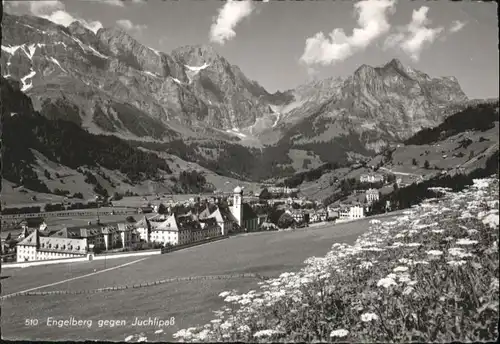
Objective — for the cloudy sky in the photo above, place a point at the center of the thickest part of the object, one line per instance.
(282, 44)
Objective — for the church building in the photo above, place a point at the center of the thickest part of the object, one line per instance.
(243, 212)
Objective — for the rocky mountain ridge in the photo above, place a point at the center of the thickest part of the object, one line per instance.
(191, 90)
(109, 83)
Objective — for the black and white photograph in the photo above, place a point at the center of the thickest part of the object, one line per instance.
(249, 171)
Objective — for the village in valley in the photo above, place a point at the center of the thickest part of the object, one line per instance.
(174, 221)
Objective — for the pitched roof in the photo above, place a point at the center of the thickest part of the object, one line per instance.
(30, 240)
(205, 213)
(226, 214)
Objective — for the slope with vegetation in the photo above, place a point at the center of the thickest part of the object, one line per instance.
(64, 142)
(430, 275)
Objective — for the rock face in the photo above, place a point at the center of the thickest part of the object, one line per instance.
(188, 91)
(378, 105)
(107, 82)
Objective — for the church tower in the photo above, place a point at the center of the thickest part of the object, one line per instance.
(237, 208)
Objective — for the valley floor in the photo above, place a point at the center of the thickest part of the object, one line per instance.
(190, 302)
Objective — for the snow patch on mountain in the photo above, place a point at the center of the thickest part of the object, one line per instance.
(88, 47)
(11, 50)
(197, 69)
(151, 74)
(278, 116)
(177, 81)
(235, 131)
(57, 63)
(34, 28)
(27, 86)
(31, 50)
(155, 51)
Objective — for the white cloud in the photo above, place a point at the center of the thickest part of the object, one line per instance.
(456, 26)
(118, 3)
(229, 16)
(55, 11)
(415, 36)
(129, 26)
(372, 21)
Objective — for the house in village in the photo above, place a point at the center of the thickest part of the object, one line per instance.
(222, 216)
(297, 215)
(371, 178)
(319, 215)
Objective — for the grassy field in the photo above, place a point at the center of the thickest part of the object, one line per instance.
(191, 303)
(430, 275)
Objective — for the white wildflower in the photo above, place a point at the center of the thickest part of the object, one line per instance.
(366, 265)
(438, 231)
(466, 242)
(408, 290)
(224, 294)
(369, 317)
(159, 331)
(339, 333)
(400, 269)
(386, 282)
(459, 252)
(203, 335)
(456, 262)
(244, 328)
(494, 283)
(434, 252)
(265, 333)
(226, 325)
(244, 301)
(491, 220)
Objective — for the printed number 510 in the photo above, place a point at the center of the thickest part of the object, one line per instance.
(30, 322)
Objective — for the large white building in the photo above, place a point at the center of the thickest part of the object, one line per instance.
(352, 213)
(371, 178)
(38, 247)
(372, 195)
(177, 230)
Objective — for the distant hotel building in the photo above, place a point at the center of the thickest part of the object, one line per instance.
(277, 190)
(352, 213)
(371, 178)
(372, 195)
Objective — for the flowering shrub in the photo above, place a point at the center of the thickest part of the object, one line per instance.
(430, 275)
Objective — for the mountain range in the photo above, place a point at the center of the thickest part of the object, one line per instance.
(194, 104)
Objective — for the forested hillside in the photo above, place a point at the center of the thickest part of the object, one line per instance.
(64, 142)
(476, 117)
